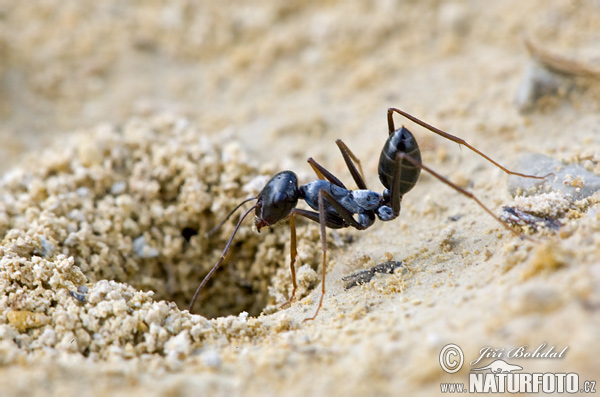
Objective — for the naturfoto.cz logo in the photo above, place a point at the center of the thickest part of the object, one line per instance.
(500, 376)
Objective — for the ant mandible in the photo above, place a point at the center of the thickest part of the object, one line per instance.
(399, 169)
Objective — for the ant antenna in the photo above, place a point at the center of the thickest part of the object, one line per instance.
(214, 229)
(215, 267)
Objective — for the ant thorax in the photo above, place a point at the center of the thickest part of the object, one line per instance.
(367, 199)
(362, 202)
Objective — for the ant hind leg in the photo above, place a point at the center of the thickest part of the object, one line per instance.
(460, 190)
(452, 138)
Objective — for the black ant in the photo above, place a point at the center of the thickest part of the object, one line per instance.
(399, 169)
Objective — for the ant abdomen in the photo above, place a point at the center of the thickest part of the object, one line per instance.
(400, 141)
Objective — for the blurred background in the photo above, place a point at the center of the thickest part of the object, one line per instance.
(278, 76)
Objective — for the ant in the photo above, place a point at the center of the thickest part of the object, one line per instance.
(335, 205)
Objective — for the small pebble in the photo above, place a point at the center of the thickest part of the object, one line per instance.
(536, 83)
(364, 276)
(570, 179)
(143, 250)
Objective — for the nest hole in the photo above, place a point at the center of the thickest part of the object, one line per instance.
(240, 284)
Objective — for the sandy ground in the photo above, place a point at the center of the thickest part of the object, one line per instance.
(129, 131)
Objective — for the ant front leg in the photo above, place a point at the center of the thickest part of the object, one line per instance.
(293, 254)
(315, 217)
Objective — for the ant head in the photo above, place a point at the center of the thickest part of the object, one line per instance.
(277, 199)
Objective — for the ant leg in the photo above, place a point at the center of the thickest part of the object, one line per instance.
(322, 173)
(314, 216)
(342, 212)
(324, 248)
(359, 177)
(453, 138)
(323, 223)
(459, 189)
(293, 254)
(344, 217)
(396, 196)
(348, 156)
